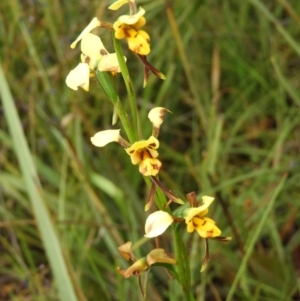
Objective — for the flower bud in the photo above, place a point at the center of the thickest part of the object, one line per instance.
(126, 252)
(136, 269)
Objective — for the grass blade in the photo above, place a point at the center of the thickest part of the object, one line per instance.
(45, 225)
(254, 239)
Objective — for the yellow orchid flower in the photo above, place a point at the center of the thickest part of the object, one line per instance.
(142, 152)
(159, 221)
(94, 56)
(145, 154)
(195, 220)
(127, 26)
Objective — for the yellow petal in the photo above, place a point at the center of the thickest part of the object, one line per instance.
(157, 223)
(208, 229)
(102, 138)
(141, 22)
(116, 5)
(150, 167)
(79, 77)
(93, 24)
(189, 213)
(119, 30)
(138, 41)
(152, 143)
(207, 199)
(190, 226)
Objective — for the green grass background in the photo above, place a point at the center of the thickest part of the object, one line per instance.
(233, 79)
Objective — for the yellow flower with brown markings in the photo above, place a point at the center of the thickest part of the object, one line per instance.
(145, 154)
(195, 220)
(128, 27)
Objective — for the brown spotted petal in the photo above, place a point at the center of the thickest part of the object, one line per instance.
(139, 149)
(150, 167)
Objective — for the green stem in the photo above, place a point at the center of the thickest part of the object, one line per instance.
(146, 285)
(107, 84)
(128, 84)
(182, 263)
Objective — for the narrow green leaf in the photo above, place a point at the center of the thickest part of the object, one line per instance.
(48, 234)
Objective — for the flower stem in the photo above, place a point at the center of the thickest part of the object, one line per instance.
(182, 263)
(146, 284)
(128, 84)
(106, 82)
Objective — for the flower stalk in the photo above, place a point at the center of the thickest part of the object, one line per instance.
(143, 153)
(128, 85)
(106, 82)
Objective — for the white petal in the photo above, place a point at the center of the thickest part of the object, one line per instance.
(157, 223)
(102, 138)
(93, 24)
(131, 19)
(156, 116)
(110, 62)
(79, 77)
(93, 48)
